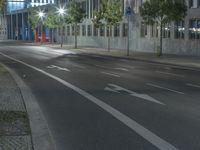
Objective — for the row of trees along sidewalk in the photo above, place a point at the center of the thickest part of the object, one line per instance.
(158, 12)
(74, 15)
(162, 12)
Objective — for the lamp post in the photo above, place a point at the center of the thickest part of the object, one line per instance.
(41, 17)
(61, 13)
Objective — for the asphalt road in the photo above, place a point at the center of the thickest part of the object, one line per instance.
(102, 103)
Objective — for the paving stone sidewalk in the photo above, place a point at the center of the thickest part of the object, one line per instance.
(15, 133)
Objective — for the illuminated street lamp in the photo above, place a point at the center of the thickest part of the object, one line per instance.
(61, 12)
(41, 16)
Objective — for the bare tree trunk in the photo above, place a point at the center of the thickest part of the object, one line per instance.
(75, 35)
(109, 37)
(161, 40)
(52, 36)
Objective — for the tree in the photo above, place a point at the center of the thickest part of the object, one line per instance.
(110, 13)
(2, 5)
(75, 15)
(33, 19)
(162, 12)
(51, 21)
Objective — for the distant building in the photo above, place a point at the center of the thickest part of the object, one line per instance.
(179, 37)
(16, 13)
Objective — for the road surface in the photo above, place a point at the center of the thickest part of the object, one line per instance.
(103, 103)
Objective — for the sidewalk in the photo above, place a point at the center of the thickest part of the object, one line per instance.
(15, 133)
(187, 62)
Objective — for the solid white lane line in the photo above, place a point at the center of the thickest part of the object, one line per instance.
(110, 74)
(139, 129)
(172, 74)
(193, 85)
(123, 69)
(164, 88)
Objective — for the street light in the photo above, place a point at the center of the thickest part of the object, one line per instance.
(61, 12)
(41, 16)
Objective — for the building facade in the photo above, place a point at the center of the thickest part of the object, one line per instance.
(16, 13)
(182, 38)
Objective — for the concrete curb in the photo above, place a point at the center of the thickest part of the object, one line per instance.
(42, 138)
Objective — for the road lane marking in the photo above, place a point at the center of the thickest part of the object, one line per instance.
(164, 88)
(123, 69)
(172, 74)
(111, 74)
(117, 88)
(110, 90)
(193, 85)
(139, 129)
(57, 67)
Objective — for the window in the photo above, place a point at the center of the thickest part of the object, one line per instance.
(117, 30)
(95, 31)
(143, 30)
(63, 30)
(73, 29)
(78, 30)
(125, 29)
(83, 30)
(68, 30)
(179, 30)
(108, 32)
(166, 31)
(102, 30)
(194, 29)
(193, 3)
(59, 31)
(89, 30)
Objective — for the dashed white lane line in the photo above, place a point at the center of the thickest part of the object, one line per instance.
(164, 88)
(111, 74)
(172, 74)
(192, 85)
(123, 69)
(139, 129)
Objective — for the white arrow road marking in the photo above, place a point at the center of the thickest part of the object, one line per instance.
(110, 90)
(117, 88)
(123, 69)
(111, 74)
(164, 88)
(193, 85)
(139, 129)
(57, 67)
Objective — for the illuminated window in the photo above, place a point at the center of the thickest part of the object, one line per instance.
(179, 29)
(194, 29)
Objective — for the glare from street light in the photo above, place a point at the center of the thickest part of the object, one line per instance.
(41, 14)
(61, 11)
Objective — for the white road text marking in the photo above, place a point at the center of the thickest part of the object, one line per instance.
(139, 129)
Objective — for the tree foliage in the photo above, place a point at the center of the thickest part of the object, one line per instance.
(110, 13)
(51, 19)
(162, 12)
(2, 4)
(75, 15)
(33, 17)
